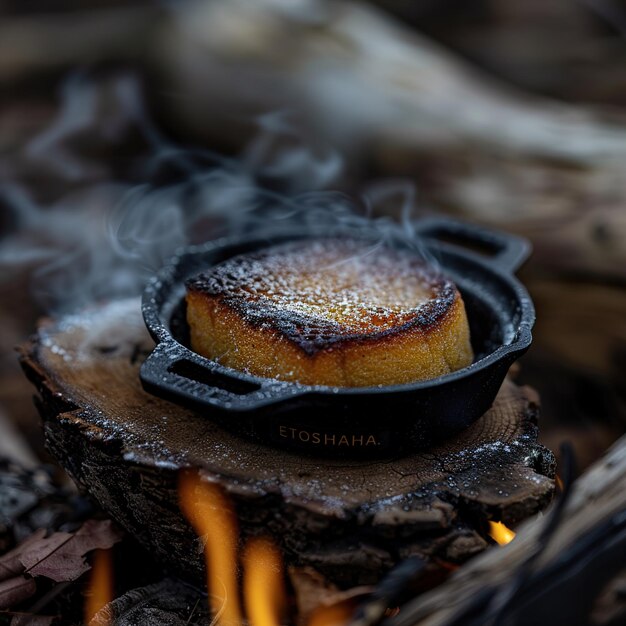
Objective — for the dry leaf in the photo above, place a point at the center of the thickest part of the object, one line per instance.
(16, 590)
(10, 562)
(60, 556)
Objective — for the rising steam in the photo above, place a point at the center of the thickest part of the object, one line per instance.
(120, 212)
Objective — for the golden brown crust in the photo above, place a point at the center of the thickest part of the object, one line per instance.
(330, 312)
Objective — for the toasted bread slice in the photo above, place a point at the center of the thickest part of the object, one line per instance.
(338, 312)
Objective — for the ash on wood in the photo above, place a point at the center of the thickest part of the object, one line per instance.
(349, 519)
(573, 577)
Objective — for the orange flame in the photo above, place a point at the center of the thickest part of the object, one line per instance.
(263, 585)
(213, 518)
(100, 590)
(212, 515)
(500, 533)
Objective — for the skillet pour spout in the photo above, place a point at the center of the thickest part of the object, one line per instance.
(349, 421)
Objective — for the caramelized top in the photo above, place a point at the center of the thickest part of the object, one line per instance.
(320, 291)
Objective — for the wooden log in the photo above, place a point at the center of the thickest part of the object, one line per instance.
(406, 89)
(397, 103)
(54, 41)
(575, 576)
(349, 519)
(390, 99)
(577, 363)
(582, 324)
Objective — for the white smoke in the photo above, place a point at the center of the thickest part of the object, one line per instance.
(114, 221)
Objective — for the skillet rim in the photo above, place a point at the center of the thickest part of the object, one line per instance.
(166, 280)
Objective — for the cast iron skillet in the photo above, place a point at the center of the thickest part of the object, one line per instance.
(363, 421)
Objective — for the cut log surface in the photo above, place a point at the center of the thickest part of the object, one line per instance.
(350, 519)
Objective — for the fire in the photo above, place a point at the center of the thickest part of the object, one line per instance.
(334, 615)
(100, 590)
(212, 515)
(500, 533)
(263, 586)
(213, 518)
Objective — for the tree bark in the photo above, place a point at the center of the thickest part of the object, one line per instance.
(350, 519)
(573, 579)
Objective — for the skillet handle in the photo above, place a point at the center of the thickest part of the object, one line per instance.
(505, 251)
(175, 373)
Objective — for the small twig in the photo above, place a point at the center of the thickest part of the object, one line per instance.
(193, 610)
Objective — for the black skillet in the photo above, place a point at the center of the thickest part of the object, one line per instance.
(341, 421)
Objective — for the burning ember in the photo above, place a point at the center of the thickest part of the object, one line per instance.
(213, 517)
(500, 533)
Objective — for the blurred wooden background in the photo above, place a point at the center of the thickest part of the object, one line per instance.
(504, 113)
